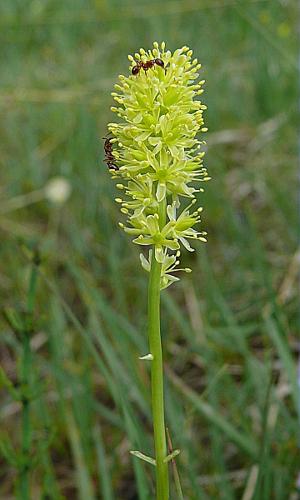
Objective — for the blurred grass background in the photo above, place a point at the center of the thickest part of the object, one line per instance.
(229, 329)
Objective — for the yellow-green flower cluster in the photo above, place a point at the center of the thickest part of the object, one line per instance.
(158, 157)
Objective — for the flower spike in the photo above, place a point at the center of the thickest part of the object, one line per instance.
(157, 152)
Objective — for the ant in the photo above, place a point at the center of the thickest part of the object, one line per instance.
(109, 157)
(146, 65)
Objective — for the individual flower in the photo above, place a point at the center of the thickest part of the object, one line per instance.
(169, 265)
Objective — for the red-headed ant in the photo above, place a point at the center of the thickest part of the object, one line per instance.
(146, 65)
(109, 157)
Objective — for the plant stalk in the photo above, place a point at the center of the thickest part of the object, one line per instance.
(25, 377)
(162, 473)
(26, 428)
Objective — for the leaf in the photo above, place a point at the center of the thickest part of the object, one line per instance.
(172, 455)
(140, 455)
(7, 451)
(147, 357)
(14, 319)
(6, 382)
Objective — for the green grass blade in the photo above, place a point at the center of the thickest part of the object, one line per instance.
(241, 440)
(285, 355)
(103, 470)
(83, 479)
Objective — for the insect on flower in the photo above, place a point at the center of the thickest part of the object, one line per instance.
(147, 65)
(109, 157)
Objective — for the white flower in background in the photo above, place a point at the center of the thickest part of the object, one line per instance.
(58, 190)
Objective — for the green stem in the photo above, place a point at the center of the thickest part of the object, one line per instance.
(25, 370)
(26, 428)
(162, 473)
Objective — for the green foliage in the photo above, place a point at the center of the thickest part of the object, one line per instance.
(229, 328)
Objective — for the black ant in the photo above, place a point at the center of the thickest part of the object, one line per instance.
(146, 65)
(109, 157)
